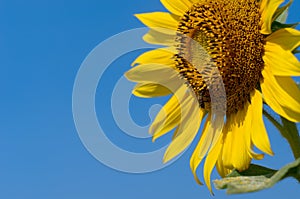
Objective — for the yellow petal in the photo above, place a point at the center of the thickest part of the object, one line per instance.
(222, 170)
(178, 7)
(287, 38)
(282, 62)
(160, 20)
(256, 156)
(217, 124)
(209, 138)
(267, 9)
(148, 90)
(156, 73)
(227, 145)
(282, 95)
(210, 162)
(200, 150)
(159, 56)
(169, 116)
(158, 38)
(188, 127)
(250, 121)
(240, 126)
(237, 145)
(259, 134)
(281, 13)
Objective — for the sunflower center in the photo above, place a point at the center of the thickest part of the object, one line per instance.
(229, 32)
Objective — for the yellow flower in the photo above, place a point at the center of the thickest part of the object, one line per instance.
(231, 40)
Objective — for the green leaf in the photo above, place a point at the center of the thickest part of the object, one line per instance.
(244, 184)
(281, 13)
(254, 170)
(277, 25)
(259, 179)
(288, 130)
(296, 51)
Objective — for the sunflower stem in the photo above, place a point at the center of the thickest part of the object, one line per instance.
(273, 120)
(289, 131)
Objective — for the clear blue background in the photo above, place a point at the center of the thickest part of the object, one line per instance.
(42, 45)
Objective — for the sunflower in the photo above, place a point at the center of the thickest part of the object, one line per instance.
(221, 61)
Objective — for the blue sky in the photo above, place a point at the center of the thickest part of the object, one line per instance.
(43, 44)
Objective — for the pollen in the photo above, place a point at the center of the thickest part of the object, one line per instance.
(229, 32)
